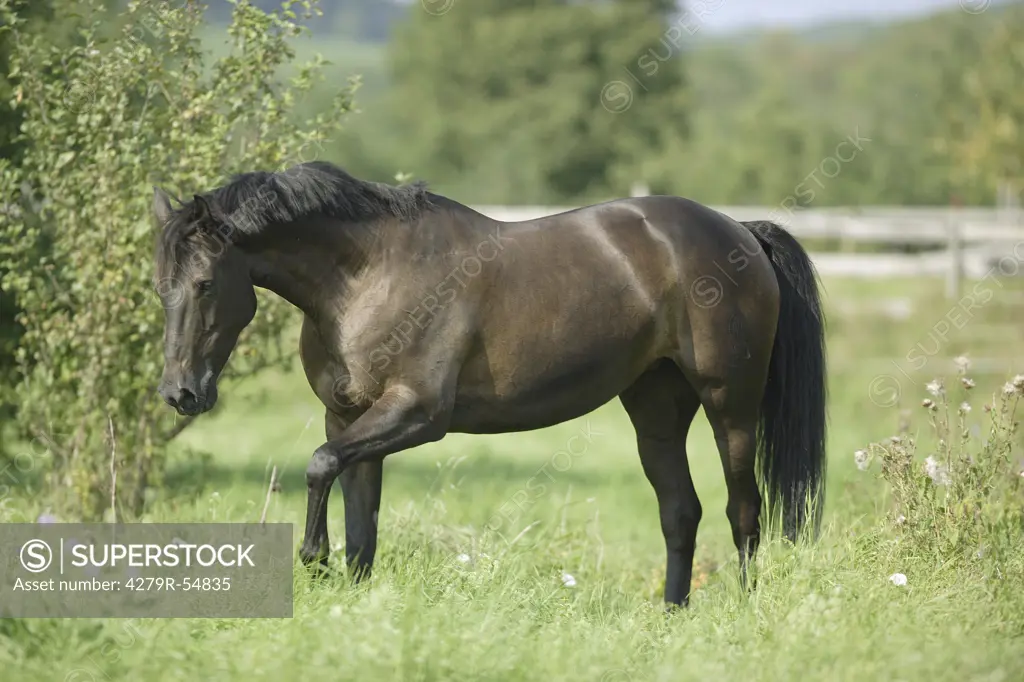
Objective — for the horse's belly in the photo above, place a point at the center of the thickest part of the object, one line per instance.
(536, 395)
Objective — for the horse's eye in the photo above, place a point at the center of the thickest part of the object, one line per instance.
(206, 286)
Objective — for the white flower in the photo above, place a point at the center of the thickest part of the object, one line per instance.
(962, 362)
(934, 387)
(928, 403)
(965, 408)
(1009, 389)
(967, 383)
(861, 458)
(568, 580)
(1018, 382)
(898, 579)
(462, 558)
(900, 520)
(936, 471)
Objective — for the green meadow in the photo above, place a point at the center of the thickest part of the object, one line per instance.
(449, 601)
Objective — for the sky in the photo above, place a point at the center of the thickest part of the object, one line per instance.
(731, 15)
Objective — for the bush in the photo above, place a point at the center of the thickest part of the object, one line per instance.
(965, 500)
(102, 122)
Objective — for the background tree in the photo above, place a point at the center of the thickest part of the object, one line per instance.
(990, 153)
(510, 95)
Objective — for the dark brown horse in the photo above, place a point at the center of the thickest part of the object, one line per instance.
(424, 317)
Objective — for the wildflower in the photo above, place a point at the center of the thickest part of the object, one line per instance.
(462, 558)
(967, 383)
(936, 471)
(861, 458)
(1009, 389)
(934, 387)
(962, 362)
(986, 408)
(1018, 382)
(898, 579)
(900, 520)
(568, 580)
(894, 439)
(928, 404)
(965, 408)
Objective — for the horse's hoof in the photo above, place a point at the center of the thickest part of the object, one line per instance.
(672, 608)
(315, 559)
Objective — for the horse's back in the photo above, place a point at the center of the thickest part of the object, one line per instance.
(581, 303)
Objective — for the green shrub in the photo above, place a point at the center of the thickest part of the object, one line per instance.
(965, 499)
(102, 122)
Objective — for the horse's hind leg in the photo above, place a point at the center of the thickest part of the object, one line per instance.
(661, 405)
(733, 415)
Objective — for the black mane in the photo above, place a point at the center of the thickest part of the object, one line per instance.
(252, 201)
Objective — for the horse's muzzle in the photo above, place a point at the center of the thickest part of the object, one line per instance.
(187, 403)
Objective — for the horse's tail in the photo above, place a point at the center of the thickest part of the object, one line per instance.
(791, 433)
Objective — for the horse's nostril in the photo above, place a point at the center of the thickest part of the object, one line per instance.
(186, 399)
(167, 395)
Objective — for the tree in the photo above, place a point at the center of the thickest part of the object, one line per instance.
(102, 121)
(539, 100)
(991, 149)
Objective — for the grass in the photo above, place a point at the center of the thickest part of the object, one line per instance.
(822, 611)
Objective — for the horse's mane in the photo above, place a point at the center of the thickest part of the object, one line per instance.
(250, 202)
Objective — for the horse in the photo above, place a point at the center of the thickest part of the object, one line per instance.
(423, 317)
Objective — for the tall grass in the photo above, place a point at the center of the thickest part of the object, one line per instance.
(918, 574)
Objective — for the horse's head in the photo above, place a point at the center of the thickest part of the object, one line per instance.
(208, 297)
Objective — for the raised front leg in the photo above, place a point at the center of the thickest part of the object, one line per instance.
(399, 420)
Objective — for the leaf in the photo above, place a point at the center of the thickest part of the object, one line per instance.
(64, 159)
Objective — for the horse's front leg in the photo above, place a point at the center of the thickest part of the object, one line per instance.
(360, 487)
(399, 420)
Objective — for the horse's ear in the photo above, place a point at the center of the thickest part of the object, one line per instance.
(162, 206)
(205, 213)
(201, 209)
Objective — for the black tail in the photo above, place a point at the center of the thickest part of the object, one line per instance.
(791, 434)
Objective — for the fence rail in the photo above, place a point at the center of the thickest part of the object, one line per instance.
(954, 242)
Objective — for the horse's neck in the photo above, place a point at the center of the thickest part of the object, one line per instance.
(308, 265)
